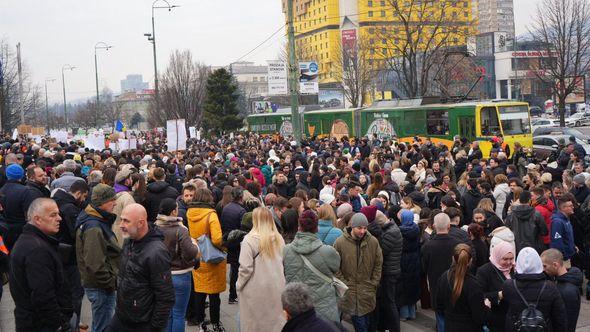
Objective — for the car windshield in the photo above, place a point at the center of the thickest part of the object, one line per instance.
(515, 120)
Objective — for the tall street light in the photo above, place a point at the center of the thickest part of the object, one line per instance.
(47, 102)
(152, 39)
(98, 46)
(63, 82)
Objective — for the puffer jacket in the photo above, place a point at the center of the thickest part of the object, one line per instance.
(327, 232)
(231, 219)
(97, 250)
(500, 193)
(156, 192)
(546, 210)
(69, 209)
(183, 253)
(528, 227)
(409, 292)
(15, 199)
(145, 293)
(202, 219)
(569, 286)
(361, 262)
(324, 258)
(390, 239)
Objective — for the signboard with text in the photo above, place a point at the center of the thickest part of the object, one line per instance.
(308, 78)
(277, 78)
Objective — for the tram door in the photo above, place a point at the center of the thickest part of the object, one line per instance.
(467, 127)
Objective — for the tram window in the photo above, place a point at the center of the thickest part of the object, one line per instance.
(437, 122)
(490, 125)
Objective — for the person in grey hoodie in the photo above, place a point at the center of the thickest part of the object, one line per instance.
(527, 224)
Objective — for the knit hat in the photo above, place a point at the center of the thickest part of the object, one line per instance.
(369, 212)
(308, 222)
(384, 193)
(343, 210)
(167, 205)
(14, 172)
(579, 179)
(101, 194)
(359, 220)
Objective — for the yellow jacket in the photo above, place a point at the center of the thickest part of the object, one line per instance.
(202, 219)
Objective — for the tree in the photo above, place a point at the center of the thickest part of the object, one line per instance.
(182, 91)
(563, 28)
(356, 70)
(413, 46)
(220, 110)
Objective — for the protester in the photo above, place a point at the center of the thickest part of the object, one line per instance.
(562, 234)
(156, 192)
(37, 182)
(408, 288)
(298, 306)
(231, 219)
(327, 231)
(123, 184)
(15, 199)
(527, 224)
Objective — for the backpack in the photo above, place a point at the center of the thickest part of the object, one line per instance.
(530, 319)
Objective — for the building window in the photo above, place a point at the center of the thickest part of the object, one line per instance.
(370, 3)
(370, 14)
(437, 122)
(382, 3)
(489, 121)
(384, 51)
(383, 41)
(383, 30)
(254, 79)
(382, 13)
(372, 31)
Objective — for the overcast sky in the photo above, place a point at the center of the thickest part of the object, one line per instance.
(54, 33)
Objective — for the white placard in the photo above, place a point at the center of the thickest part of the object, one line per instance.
(277, 78)
(199, 135)
(133, 143)
(176, 135)
(61, 136)
(95, 141)
(193, 132)
(15, 133)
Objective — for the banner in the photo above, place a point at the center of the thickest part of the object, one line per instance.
(176, 135)
(277, 78)
(308, 78)
(331, 98)
(193, 132)
(264, 107)
(61, 136)
(95, 141)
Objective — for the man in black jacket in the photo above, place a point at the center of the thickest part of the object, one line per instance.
(70, 204)
(37, 182)
(156, 192)
(527, 224)
(231, 219)
(37, 282)
(470, 200)
(145, 293)
(568, 282)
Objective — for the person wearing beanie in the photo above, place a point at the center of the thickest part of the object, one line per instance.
(99, 254)
(322, 257)
(15, 199)
(124, 198)
(580, 190)
(532, 283)
(369, 212)
(360, 268)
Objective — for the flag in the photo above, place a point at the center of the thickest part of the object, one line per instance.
(119, 126)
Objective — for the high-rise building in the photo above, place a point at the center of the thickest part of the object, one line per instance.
(495, 15)
(133, 83)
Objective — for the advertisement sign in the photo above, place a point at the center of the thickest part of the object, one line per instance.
(348, 39)
(308, 78)
(277, 78)
(577, 96)
(286, 128)
(331, 98)
(264, 107)
(500, 41)
(382, 128)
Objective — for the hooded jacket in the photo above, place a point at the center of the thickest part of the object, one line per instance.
(324, 258)
(562, 235)
(360, 270)
(183, 253)
(145, 293)
(97, 250)
(546, 210)
(15, 199)
(469, 202)
(500, 193)
(156, 192)
(528, 227)
(231, 219)
(69, 209)
(303, 184)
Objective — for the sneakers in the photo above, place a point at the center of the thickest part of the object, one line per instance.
(218, 327)
(233, 301)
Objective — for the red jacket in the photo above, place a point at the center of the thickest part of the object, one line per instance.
(546, 210)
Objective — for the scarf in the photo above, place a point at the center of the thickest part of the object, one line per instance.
(407, 217)
(529, 262)
(497, 253)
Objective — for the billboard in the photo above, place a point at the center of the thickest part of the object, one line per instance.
(308, 78)
(348, 39)
(277, 78)
(331, 98)
(264, 107)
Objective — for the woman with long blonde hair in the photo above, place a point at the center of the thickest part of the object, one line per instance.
(260, 278)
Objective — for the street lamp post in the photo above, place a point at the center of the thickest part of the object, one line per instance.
(98, 46)
(47, 103)
(63, 82)
(152, 39)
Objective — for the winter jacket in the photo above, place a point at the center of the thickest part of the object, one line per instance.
(308, 322)
(437, 256)
(580, 193)
(491, 281)
(550, 302)
(258, 176)
(261, 281)
(408, 290)
(97, 249)
(38, 190)
(182, 207)
(37, 283)
(468, 314)
(285, 190)
(528, 227)
(183, 253)
(500, 193)
(562, 235)
(202, 220)
(231, 218)
(266, 170)
(69, 209)
(124, 198)
(469, 202)
(390, 240)
(434, 196)
(546, 210)
(569, 286)
(492, 222)
(15, 199)
(175, 181)
(303, 184)
(65, 181)
(324, 258)
(156, 192)
(327, 232)
(360, 269)
(145, 292)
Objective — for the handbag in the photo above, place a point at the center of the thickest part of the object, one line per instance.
(209, 252)
(338, 284)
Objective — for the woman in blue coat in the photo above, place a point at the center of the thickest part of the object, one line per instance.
(408, 288)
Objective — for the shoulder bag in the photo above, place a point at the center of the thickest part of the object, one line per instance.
(209, 252)
(340, 286)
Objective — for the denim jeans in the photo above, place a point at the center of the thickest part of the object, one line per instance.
(440, 322)
(103, 307)
(361, 323)
(182, 289)
(407, 312)
(233, 278)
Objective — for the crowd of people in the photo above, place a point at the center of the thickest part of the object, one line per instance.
(305, 237)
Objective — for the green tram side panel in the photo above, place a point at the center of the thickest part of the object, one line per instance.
(270, 124)
(322, 122)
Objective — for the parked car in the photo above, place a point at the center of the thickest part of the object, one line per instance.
(561, 131)
(536, 111)
(539, 123)
(578, 120)
(544, 145)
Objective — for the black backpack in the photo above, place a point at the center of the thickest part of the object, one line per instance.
(530, 319)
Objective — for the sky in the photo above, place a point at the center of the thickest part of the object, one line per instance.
(218, 32)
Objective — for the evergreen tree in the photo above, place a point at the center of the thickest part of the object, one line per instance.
(221, 112)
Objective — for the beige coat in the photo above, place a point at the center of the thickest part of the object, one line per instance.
(260, 283)
(124, 198)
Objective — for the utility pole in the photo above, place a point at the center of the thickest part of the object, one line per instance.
(294, 75)
(20, 85)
